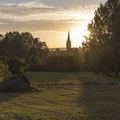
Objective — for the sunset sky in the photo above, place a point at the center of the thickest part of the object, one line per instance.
(48, 19)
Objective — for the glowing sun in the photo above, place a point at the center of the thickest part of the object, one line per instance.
(77, 35)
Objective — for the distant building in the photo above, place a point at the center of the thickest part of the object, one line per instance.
(68, 43)
(64, 51)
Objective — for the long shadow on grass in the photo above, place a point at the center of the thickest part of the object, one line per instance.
(100, 97)
(4, 96)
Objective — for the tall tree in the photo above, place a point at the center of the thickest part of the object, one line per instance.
(103, 44)
(12, 45)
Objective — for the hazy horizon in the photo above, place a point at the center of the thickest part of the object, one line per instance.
(48, 19)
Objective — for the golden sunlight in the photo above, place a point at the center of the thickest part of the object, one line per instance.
(77, 35)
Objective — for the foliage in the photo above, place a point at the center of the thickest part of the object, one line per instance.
(65, 60)
(3, 59)
(34, 60)
(12, 45)
(22, 45)
(4, 70)
(101, 51)
(57, 63)
(15, 65)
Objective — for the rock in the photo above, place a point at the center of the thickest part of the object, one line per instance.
(17, 83)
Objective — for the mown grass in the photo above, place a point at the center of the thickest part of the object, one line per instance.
(64, 96)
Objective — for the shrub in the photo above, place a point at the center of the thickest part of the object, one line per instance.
(34, 60)
(4, 70)
(3, 59)
(16, 65)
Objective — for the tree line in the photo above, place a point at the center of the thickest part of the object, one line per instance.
(19, 50)
(22, 45)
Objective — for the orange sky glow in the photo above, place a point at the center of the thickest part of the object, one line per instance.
(49, 20)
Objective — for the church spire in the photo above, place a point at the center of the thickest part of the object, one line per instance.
(68, 35)
(68, 43)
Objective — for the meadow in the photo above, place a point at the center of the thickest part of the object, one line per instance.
(64, 96)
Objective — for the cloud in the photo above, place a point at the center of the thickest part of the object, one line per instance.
(33, 4)
(47, 21)
(27, 12)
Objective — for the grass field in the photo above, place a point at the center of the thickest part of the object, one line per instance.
(64, 96)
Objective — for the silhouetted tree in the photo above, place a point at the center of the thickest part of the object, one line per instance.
(103, 44)
(12, 45)
(22, 45)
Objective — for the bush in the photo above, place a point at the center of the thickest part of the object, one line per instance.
(3, 59)
(34, 60)
(4, 70)
(16, 65)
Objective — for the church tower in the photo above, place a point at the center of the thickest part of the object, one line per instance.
(68, 43)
